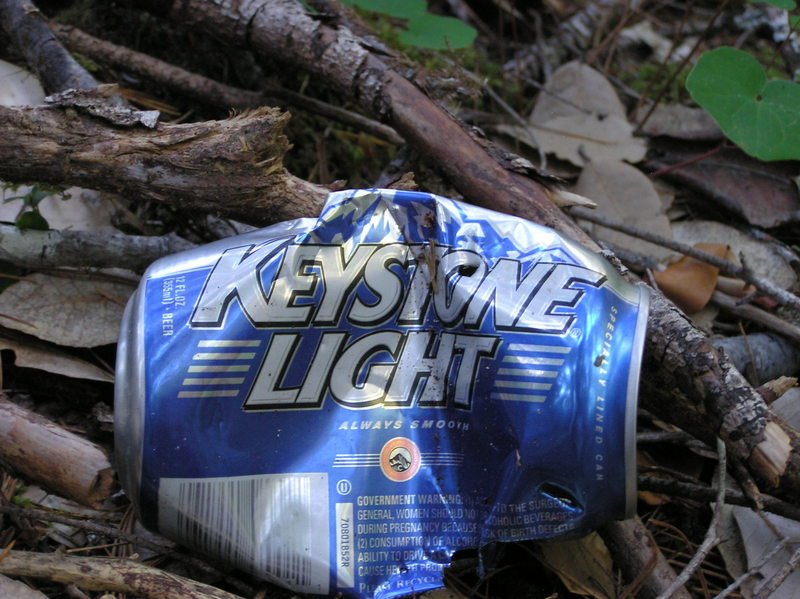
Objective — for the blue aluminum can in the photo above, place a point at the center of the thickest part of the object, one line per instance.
(339, 404)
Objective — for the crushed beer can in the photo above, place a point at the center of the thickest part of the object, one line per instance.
(339, 404)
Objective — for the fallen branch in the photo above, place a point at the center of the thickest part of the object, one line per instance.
(756, 314)
(46, 249)
(108, 574)
(166, 548)
(767, 355)
(232, 167)
(644, 567)
(45, 452)
(54, 66)
(207, 90)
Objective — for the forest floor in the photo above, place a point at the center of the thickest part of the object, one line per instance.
(590, 97)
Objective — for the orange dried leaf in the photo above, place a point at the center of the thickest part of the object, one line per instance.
(689, 282)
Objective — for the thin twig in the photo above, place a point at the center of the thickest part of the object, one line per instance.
(771, 585)
(753, 571)
(756, 314)
(766, 287)
(688, 162)
(208, 90)
(663, 64)
(676, 438)
(681, 66)
(712, 535)
(510, 111)
(115, 533)
(704, 493)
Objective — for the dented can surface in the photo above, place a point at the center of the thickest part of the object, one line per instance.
(340, 404)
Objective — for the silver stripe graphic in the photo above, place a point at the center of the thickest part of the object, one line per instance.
(229, 343)
(222, 356)
(546, 374)
(523, 385)
(518, 397)
(542, 349)
(221, 368)
(212, 393)
(215, 381)
(536, 361)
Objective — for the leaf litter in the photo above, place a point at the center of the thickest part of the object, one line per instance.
(66, 311)
(579, 118)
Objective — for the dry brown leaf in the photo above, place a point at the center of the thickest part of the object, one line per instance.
(70, 312)
(584, 565)
(579, 117)
(623, 193)
(17, 590)
(30, 354)
(689, 282)
(764, 259)
(680, 122)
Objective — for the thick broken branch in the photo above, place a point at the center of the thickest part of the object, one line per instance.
(108, 574)
(47, 249)
(27, 28)
(684, 377)
(43, 451)
(232, 167)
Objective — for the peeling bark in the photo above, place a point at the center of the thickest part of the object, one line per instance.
(232, 168)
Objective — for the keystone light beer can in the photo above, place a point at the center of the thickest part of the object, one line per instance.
(339, 404)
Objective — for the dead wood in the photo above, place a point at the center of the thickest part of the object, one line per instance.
(47, 249)
(232, 167)
(54, 66)
(207, 90)
(108, 574)
(761, 356)
(685, 379)
(138, 542)
(57, 458)
(645, 569)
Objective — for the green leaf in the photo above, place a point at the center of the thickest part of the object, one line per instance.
(32, 219)
(784, 4)
(438, 33)
(762, 117)
(404, 9)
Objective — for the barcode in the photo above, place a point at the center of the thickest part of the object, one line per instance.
(273, 525)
